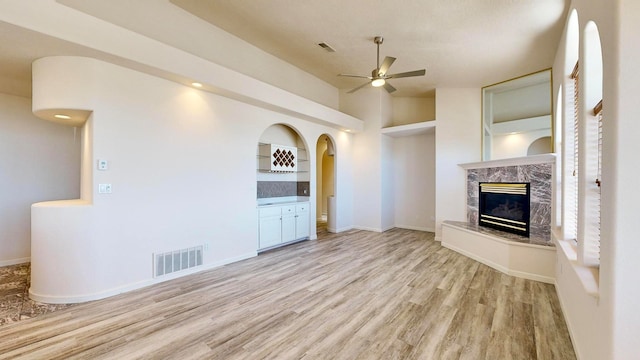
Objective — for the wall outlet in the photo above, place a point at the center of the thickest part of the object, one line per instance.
(104, 189)
(103, 165)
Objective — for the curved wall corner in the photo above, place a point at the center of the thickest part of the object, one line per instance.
(63, 85)
(61, 266)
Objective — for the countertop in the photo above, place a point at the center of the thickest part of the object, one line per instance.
(282, 201)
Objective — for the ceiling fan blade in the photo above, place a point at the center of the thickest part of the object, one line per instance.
(386, 64)
(356, 76)
(407, 74)
(389, 88)
(358, 88)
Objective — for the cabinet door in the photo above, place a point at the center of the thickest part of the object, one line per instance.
(302, 220)
(288, 227)
(270, 231)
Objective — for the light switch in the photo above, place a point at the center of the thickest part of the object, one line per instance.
(104, 188)
(103, 165)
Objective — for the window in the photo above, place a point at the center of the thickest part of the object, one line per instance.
(571, 156)
(590, 179)
(582, 156)
(570, 133)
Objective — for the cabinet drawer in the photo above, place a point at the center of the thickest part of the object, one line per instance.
(269, 211)
(301, 208)
(288, 209)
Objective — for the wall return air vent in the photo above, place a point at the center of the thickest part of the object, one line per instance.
(177, 260)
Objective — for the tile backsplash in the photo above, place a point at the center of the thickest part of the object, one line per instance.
(269, 189)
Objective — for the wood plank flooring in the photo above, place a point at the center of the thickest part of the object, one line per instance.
(355, 295)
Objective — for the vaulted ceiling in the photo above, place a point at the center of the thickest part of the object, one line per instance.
(461, 43)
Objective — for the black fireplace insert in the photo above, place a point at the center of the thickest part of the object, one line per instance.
(505, 206)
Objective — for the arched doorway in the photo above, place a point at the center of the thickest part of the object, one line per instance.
(325, 184)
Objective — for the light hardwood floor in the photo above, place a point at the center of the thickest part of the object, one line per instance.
(355, 295)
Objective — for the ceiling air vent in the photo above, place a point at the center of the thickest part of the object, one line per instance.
(327, 47)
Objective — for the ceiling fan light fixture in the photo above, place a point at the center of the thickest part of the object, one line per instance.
(379, 75)
(377, 82)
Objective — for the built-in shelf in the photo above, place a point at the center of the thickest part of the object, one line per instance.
(298, 160)
(410, 129)
(299, 148)
(282, 172)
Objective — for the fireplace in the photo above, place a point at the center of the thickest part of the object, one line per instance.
(505, 206)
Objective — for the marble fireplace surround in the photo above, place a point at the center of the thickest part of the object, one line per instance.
(536, 170)
(530, 258)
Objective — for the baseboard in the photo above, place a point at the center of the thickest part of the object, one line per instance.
(367, 229)
(134, 286)
(418, 228)
(14, 261)
(379, 230)
(339, 230)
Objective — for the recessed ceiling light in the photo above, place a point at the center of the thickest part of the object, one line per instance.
(196, 84)
(61, 116)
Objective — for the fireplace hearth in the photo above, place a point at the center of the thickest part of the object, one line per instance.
(505, 206)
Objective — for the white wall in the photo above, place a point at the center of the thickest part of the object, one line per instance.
(345, 180)
(366, 104)
(183, 171)
(621, 223)
(407, 110)
(387, 191)
(38, 161)
(414, 182)
(522, 103)
(606, 324)
(516, 145)
(457, 141)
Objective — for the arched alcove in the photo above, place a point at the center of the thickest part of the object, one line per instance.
(325, 182)
(539, 146)
(284, 181)
(283, 188)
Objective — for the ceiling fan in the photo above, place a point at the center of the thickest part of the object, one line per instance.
(379, 75)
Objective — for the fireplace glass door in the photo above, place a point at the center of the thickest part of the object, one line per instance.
(505, 206)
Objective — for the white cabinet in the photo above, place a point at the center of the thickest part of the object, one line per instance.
(302, 220)
(288, 223)
(270, 230)
(281, 224)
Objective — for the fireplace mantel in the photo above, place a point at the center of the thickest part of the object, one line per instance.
(525, 160)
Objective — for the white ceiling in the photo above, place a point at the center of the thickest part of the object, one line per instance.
(461, 43)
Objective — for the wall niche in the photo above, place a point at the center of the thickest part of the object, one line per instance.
(280, 184)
